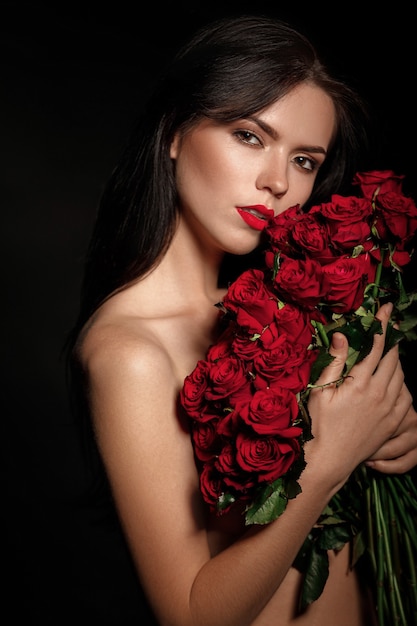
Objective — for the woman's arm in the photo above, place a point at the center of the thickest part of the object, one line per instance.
(149, 459)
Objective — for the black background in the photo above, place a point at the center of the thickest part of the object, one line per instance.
(72, 78)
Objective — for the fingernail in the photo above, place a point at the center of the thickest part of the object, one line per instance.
(337, 341)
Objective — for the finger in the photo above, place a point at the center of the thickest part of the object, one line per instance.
(390, 370)
(398, 465)
(404, 439)
(372, 359)
(374, 362)
(339, 351)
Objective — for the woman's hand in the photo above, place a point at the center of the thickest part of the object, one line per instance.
(399, 453)
(369, 415)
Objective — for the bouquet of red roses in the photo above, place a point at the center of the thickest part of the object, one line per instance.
(326, 269)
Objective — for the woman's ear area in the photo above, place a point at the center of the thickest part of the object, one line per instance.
(174, 148)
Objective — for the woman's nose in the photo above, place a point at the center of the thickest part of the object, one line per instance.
(273, 177)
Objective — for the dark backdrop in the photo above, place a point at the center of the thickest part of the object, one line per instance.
(72, 78)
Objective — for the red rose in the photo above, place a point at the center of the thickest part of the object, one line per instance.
(194, 388)
(348, 278)
(272, 412)
(301, 281)
(222, 347)
(384, 181)
(205, 439)
(279, 231)
(232, 473)
(293, 321)
(226, 376)
(278, 357)
(312, 237)
(396, 258)
(395, 217)
(229, 424)
(348, 220)
(273, 359)
(268, 457)
(270, 334)
(250, 300)
(211, 486)
(243, 393)
(286, 365)
(344, 210)
(245, 347)
(347, 237)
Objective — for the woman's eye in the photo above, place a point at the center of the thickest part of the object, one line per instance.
(247, 137)
(306, 163)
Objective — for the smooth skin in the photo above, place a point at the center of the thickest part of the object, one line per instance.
(199, 570)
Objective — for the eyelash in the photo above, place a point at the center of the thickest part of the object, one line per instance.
(313, 163)
(246, 135)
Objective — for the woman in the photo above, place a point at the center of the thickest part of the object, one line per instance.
(245, 123)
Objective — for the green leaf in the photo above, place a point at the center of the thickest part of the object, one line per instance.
(334, 537)
(315, 577)
(368, 340)
(302, 558)
(351, 359)
(392, 337)
(408, 321)
(269, 504)
(323, 360)
(272, 501)
(358, 547)
(360, 333)
(411, 335)
(293, 489)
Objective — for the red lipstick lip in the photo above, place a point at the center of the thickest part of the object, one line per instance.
(256, 216)
(259, 208)
(253, 220)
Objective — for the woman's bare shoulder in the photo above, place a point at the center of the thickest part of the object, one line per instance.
(122, 345)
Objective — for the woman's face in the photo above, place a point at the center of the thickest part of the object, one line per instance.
(232, 177)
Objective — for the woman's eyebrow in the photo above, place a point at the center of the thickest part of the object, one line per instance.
(274, 135)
